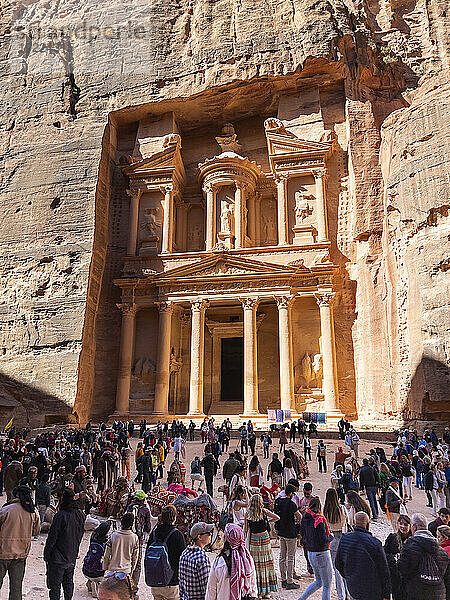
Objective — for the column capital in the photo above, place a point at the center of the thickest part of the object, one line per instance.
(127, 308)
(250, 303)
(134, 192)
(207, 188)
(165, 306)
(320, 173)
(281, 177)
(241, 185)
(324, 298)
(199, 304)
(284, 301)
(166, 188)
(185, 318)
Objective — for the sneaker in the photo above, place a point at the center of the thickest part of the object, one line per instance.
(284, 584)
(292, 586)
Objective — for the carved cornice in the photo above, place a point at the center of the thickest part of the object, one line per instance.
(284, 301)
(324, 298)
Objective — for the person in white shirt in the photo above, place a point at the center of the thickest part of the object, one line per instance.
(121, 550)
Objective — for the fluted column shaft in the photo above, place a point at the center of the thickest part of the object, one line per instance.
(125, 357)
(198, 308)
(322, 224)
(239, 203)
(161, 406)
(250, 306)
(329, 382)
(285, 342)
(281, 182)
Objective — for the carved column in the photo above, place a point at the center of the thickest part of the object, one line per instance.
(257, 219)
(239, 203)
(281, 182)
(285, 340)
(250, 306)
(322, 225)
(161, 405)
(134, 195)
(210, 216)
(198, 308)
(167, 236)
(125, 357)
(329, 383)
(252, 220)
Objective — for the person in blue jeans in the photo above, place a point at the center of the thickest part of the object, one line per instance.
(316, 539)
(370, 481)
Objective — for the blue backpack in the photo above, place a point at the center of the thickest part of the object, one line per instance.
(92, 563)
(158, 571)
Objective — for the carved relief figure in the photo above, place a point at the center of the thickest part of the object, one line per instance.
(149, 226)
(226, 218)
(195, 237)
(303, 208)
(309, 371)
(269, 232)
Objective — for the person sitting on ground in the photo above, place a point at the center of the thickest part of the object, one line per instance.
(121, 550)
(116, 587)
(361, 561)
(423, 565)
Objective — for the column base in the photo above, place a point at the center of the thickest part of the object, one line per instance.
(196, 414)
(333, 414)
(251, 413)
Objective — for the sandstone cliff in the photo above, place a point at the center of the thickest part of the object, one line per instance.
(76, 75)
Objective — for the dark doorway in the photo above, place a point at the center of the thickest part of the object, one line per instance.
(232, 369)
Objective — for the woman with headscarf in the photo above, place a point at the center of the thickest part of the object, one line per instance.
(92, 564)
(232, 575)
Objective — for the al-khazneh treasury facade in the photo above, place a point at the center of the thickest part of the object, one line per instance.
(229, 285)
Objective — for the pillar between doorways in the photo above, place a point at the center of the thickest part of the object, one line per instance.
(198, 309)
(281, 182)
(284, 304)
(210, 216)
(322, 224)
(161, 406)
(167, 233)
(125, 357)
(134, 195)
(250, 306)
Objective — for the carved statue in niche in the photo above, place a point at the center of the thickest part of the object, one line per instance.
(144, 376)
(228, 139)
(226, 218)
(149, 226)
(303, 208)
(269, 230)
(309, 371)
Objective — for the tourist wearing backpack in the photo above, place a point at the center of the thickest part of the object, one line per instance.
(424, 565)
(122, 548)
(92, 563)
(162, 556)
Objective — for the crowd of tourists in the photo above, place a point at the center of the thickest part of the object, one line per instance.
(73, 480)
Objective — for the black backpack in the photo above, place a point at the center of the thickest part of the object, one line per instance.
(429, 572)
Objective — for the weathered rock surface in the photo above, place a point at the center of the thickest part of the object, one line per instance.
(77, 75)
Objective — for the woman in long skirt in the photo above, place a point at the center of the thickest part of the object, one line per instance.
(257, 527)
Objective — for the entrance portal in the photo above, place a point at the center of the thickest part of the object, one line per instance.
(232, 369)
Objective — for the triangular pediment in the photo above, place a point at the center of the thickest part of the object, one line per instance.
(167, 161)
(281, 144)
(225, 265)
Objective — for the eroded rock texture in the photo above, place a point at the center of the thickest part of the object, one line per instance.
(78, 76)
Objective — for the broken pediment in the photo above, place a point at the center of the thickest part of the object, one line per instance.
(224, 265)
(287, 152)
(165, 166)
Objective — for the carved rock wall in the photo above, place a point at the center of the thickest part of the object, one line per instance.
(65, 69)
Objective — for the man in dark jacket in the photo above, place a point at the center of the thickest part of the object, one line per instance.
(210, 466)
(229, 467)
(287, 531)
(422, 557)
(61, 548)
(370, 481)
(361, 561)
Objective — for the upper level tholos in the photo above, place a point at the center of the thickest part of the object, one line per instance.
(258, 187)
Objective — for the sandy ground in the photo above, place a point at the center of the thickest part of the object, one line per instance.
(34, 582)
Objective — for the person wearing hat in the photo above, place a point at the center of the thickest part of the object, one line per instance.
(194, 564)
(395, 503)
